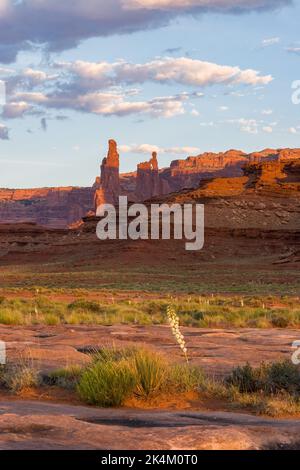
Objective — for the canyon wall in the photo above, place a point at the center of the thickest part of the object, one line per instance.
(51, 207)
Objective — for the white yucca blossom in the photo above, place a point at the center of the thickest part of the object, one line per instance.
(175, 327)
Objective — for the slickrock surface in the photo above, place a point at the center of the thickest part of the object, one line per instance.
(217, 351)
(45, 425)
(41, 426)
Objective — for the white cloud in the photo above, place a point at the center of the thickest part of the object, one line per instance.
(181, 70)
(270, 42)
(294, 50)
(268, 129)
(250, 126)
(293, 130)
(15, 110)
(148, 149)
(96, 87)
(267, 112)
(207, 124)
(109, 103)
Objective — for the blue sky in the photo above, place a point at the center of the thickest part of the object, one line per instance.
(158, 86)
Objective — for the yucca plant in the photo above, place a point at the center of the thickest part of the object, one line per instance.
(175, 327)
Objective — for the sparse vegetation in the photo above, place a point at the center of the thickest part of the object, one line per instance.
(117, 375)
(278, 377)
(19, 377)
(67, 377)
(195, 311)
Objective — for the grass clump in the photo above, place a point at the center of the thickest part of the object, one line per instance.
(86, 305)
(149, 371)
(19, 377)
(106, 383)
(184, 378)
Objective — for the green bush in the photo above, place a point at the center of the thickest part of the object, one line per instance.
(88, 305)
(282, 376)
(268, 378)
(107, 384)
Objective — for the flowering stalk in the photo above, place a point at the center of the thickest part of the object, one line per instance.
(174, 324)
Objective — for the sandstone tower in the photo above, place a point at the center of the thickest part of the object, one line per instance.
(108, 188)
(148, 185)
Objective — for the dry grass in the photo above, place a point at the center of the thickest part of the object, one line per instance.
(194, 311)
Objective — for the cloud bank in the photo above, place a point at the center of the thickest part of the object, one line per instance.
(61, 25)
(107, 89)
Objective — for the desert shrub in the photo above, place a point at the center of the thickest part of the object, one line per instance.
(114, 354)
(20, 377)
(268, 378)
(65, 377)
(183, 378)
(150, 373)
(280, 321)
(107, 383)
(2, 299)
(245, 378)
(52, 320)
(282, 376)
(87, 305)
(11, 317)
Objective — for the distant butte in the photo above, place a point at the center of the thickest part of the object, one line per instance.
(63, 207)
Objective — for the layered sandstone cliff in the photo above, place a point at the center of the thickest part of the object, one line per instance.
(51, 207)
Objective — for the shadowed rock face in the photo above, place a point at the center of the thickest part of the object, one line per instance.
(51, 207)
(148, 181)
